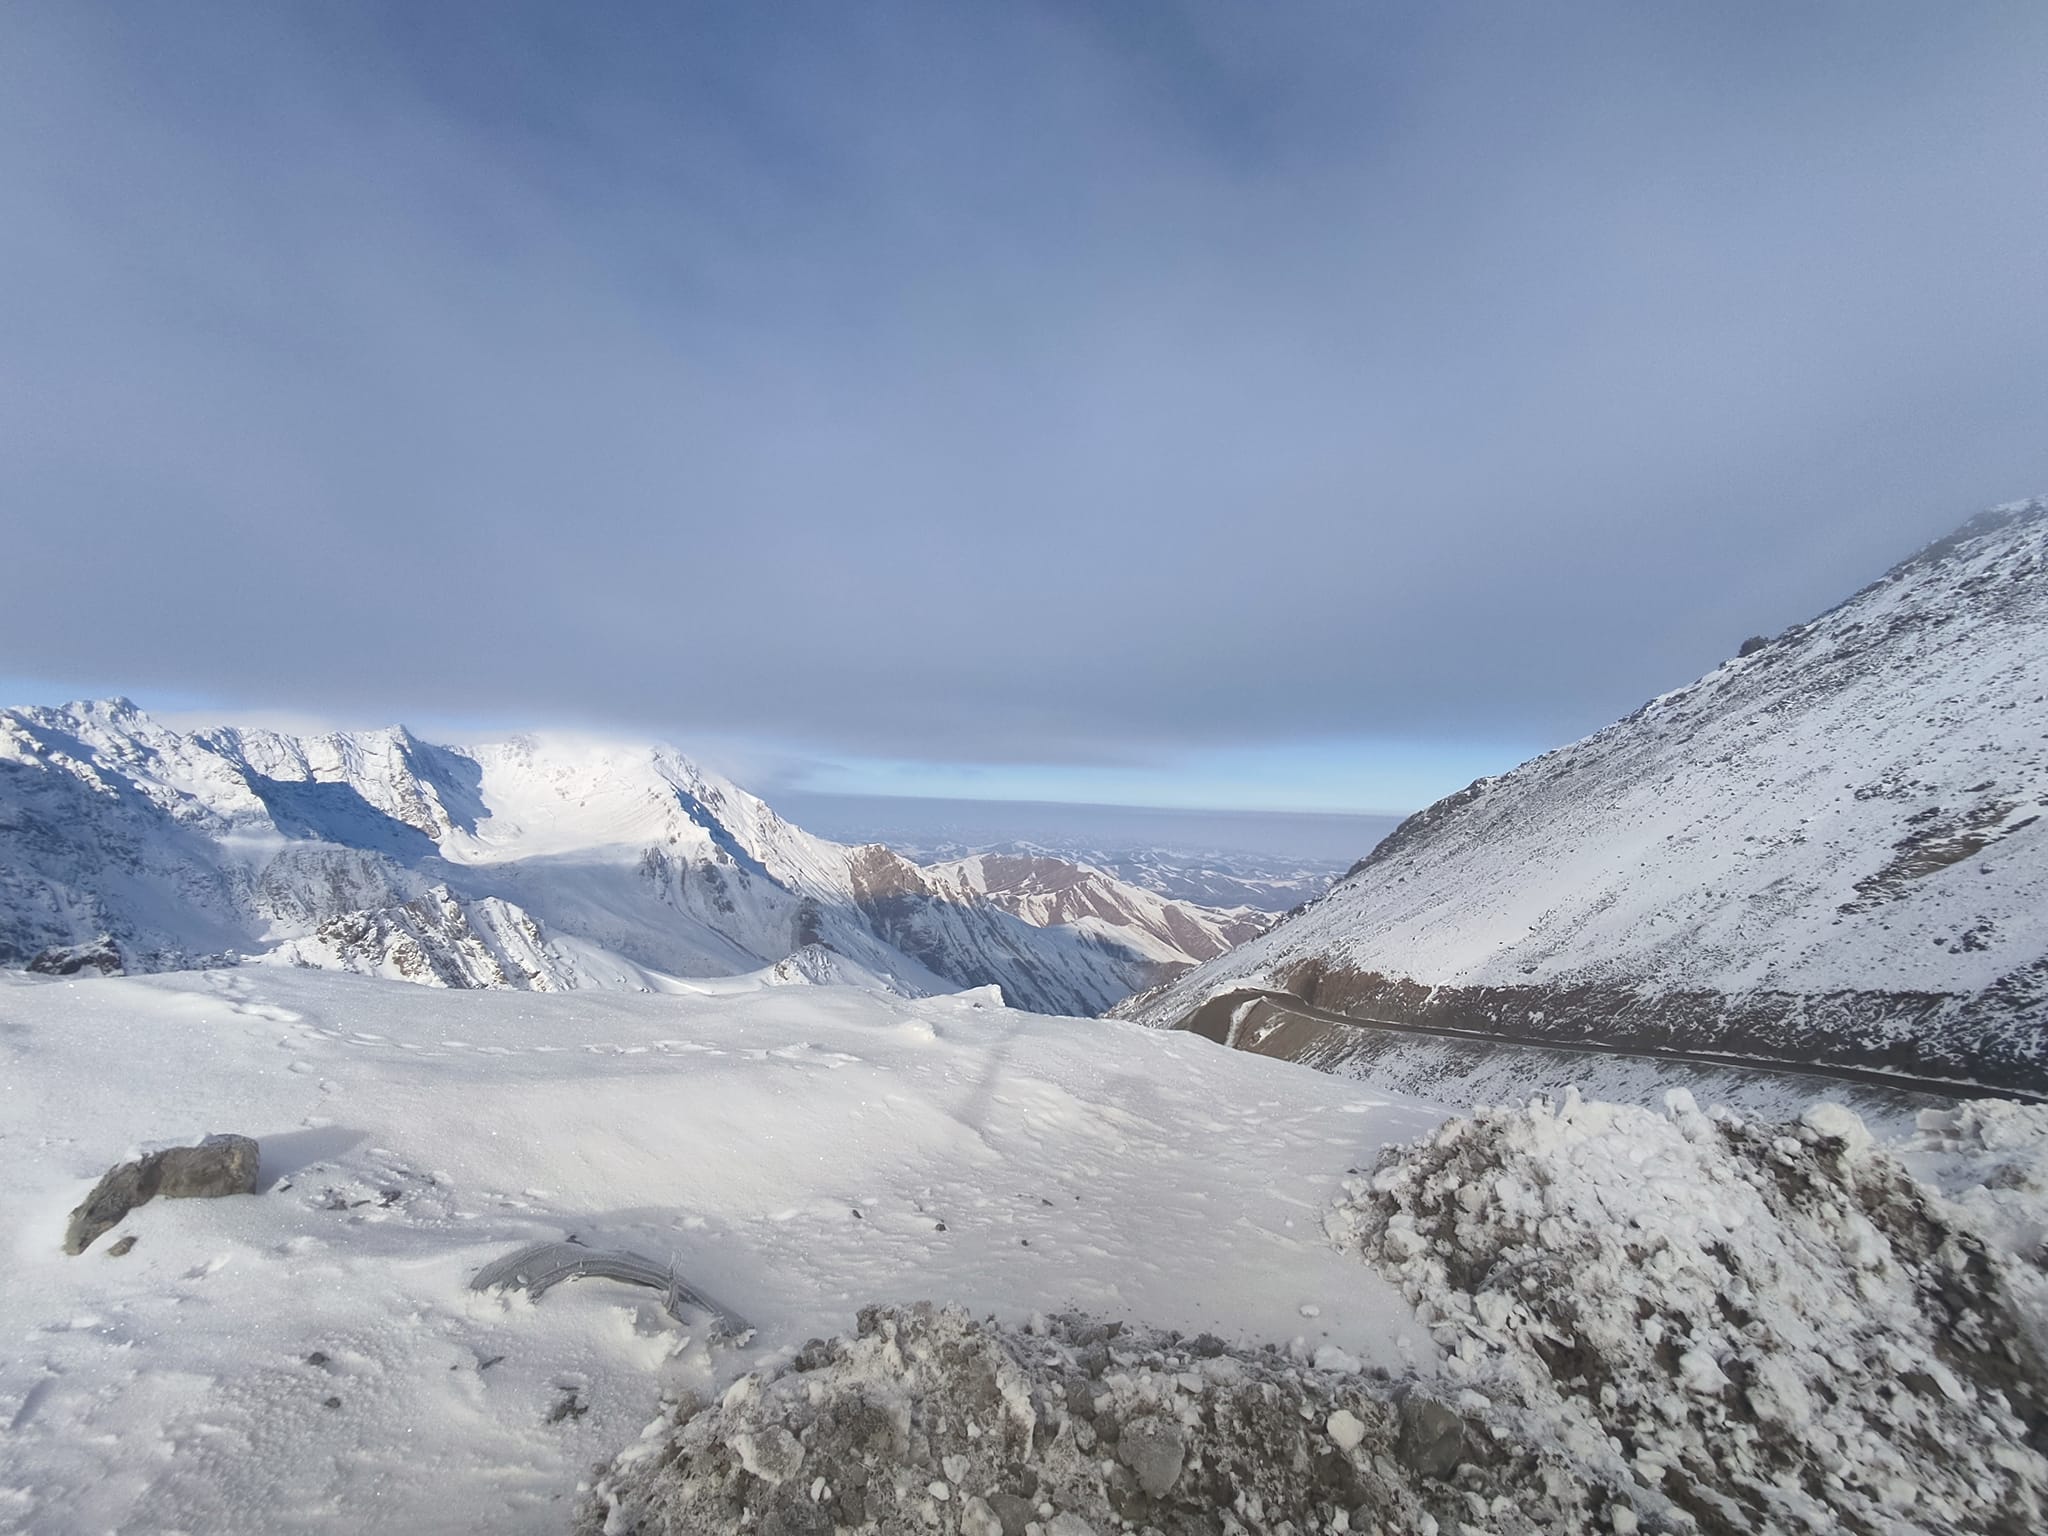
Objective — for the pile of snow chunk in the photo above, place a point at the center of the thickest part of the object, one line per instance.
(930, 1421)
(1747, 1329)
(1990, 1157)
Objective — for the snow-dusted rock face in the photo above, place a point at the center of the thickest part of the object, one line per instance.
(1828, 849)
(1049, 892)
(540, 862)
(438, 940)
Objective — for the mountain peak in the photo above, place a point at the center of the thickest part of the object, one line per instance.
(539, 860)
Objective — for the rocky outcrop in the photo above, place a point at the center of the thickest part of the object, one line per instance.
(98, 957)
(439, 940)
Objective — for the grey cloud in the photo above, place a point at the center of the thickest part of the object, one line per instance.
(1066, 382)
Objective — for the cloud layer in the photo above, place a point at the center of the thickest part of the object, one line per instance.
(1061, 383)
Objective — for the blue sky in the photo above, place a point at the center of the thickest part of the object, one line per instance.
(1186, 404)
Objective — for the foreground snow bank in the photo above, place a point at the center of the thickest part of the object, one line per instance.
(927, 1420)
(1741, 1329)
(311, 1360)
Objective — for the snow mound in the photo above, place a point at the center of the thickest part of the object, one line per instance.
(928, 1420)
(1991, 1157)
(1748, 1329)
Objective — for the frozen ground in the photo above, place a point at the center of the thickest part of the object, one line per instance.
(309, 1358)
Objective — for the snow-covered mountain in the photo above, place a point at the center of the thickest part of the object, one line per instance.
(1269, 883)
(1264, 883)
(1205, 877)
(1049, 892)
(1830, 848)
(537, 862)
(1272, 861)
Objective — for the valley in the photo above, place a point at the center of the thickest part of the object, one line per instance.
(467, 1000)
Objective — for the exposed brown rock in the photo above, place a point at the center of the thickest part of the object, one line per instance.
(219, 1165)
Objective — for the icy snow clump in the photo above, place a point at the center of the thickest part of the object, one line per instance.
(1739, 1329)
(929, 1421)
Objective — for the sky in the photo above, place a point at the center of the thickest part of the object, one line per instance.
(1307, 406)
(934, 827)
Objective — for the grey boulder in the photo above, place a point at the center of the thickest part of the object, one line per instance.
(1432, 1436)
(1154, 1448)
(219, 1165)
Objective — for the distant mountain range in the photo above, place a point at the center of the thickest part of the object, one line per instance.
(1829, 849)
(538, 862)
(1272, 860)
(1208, 877)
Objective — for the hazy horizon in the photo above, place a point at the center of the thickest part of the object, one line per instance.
(918, 822)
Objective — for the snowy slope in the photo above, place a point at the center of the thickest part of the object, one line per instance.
(1829, 849)
(541, 862)
(309, 1359)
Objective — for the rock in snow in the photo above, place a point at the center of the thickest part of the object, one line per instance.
(219, 1165)
(99, 956)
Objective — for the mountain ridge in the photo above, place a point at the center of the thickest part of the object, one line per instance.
(1826, 849)
(537, 861)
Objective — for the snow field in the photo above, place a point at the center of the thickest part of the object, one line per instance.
(309, 1358)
